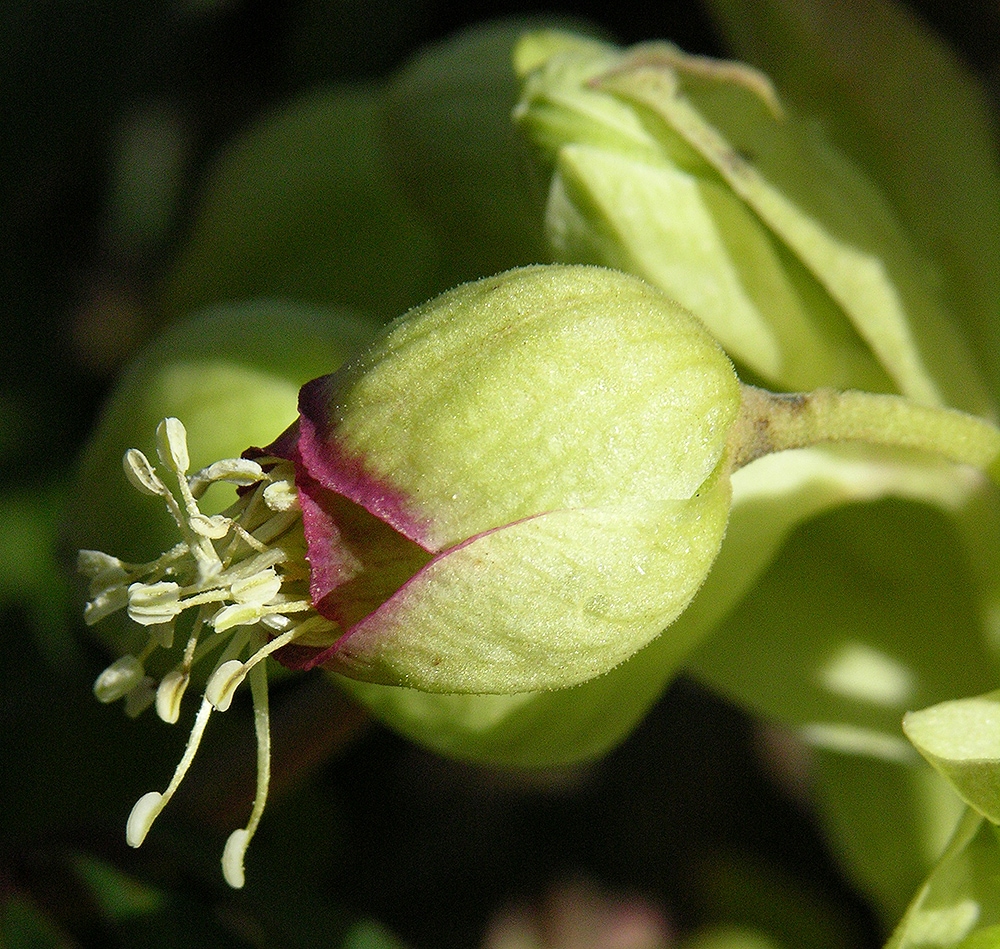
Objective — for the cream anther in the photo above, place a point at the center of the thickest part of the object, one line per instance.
(119, 679)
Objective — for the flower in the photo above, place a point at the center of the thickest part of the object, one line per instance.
(540, 453)
(692, 173)
(516, 487)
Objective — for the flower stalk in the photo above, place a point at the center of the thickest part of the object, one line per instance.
(771, 422)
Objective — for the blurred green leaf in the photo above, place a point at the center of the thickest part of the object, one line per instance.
(867, 612)
(232, 375)
(303, 206)
(752, 893)
(24, 926)
(988, 938)
(369, 935)
(729, 938)
(31, 578)
(961, 896)
(887, 823)
(118, 895)
(449, 137)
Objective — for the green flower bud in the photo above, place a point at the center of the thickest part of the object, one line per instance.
(546, 447)
(516, 487)
(690, 173)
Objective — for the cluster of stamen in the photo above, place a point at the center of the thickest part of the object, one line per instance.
(242, 578)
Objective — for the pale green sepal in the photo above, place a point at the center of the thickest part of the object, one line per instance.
(558, 105)
(856, 67)
(829, 217)
(692, 237)
(544, 603)
(537, 729)
(539, 46)
(541, 389)
(961, 739)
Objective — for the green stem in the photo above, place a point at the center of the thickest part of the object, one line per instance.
(770, 422)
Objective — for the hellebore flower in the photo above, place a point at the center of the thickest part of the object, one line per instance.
(516, 487)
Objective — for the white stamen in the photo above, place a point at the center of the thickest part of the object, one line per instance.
(171, 445)
(281, 496)
(141, 817)
(148, 807)
(141, 474)
(151, 604)
(260, 588)
(233, 856)
(214, 528)
(101, 569)
(239, 471)
(236, 846)
(224, 683)
(239, 614)
(169, 694)
(243, 574)
(119, 679)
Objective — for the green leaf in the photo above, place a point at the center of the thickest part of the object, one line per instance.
(232, 374)
(119, 896)
(24, 926)
(370, 935)
(988, 938)
(887, 823)
(729, 938)
(867, 612)
(961, 738)
(959, 903)
(446, 129)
